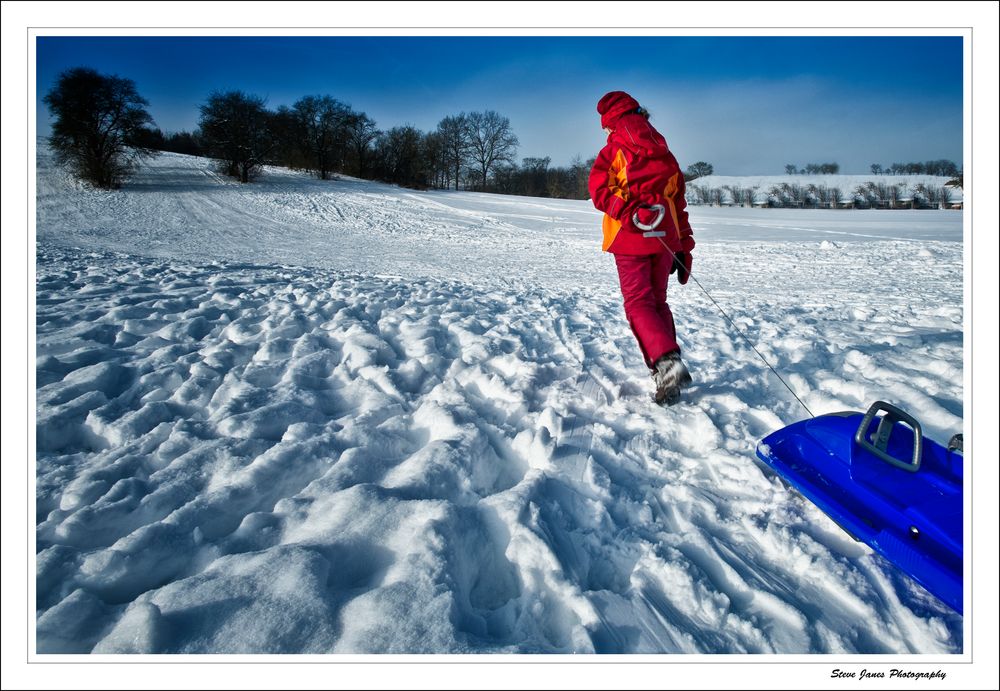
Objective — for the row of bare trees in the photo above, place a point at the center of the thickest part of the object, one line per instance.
(324, 136)
(102, 130)
(870, 195)
(941, 167)
(813, 169)
(535, 177)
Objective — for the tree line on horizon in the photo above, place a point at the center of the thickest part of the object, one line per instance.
(873, 194)
(940, 168)
(102, 131)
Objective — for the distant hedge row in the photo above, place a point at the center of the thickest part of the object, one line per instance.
(881, 194)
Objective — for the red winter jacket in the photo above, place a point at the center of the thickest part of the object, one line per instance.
(636, 167)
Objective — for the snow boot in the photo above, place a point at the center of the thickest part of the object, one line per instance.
(670, 375)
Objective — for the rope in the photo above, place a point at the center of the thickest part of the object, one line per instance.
(673, 258)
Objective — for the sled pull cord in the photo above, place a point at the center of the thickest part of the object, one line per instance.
(673, 258)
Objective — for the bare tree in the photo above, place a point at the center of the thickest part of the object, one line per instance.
(98, 124)
(813, 196)
(776, 195)
(699, 194)
(879, 195)
(291, 143)
(455, 144)
(947, 195)
(534, 172)
(941, 167)
(742, 196)
(788, 195)
(402, 156)
(820, 195)
(508, 179)
(236, 130)
(895, 194)
(324, 123)
(492, 141)
(434, 159)
(361, 134)
(697, 170)
(836, 197)
(581, 172)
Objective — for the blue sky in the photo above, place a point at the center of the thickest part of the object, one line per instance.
(748, 105)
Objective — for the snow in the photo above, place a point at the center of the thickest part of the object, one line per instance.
(311, 417)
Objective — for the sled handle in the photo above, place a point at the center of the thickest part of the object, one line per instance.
(957, 443)
(650, 229)
(880, 441)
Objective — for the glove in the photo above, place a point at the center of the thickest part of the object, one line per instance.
(625, 215)
(682, 265)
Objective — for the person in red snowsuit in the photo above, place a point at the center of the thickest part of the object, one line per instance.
(639, 186)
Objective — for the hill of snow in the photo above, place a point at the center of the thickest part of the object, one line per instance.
(312, 417)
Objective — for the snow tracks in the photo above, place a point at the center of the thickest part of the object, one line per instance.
(261, 459)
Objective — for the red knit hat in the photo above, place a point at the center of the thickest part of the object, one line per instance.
(614, 105)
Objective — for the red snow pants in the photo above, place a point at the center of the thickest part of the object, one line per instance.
(643, 281)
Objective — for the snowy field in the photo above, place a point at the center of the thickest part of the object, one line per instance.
(342, 417)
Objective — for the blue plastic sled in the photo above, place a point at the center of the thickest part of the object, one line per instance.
(886, 485)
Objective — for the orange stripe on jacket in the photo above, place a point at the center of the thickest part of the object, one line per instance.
(668, 193)
(618, 184)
